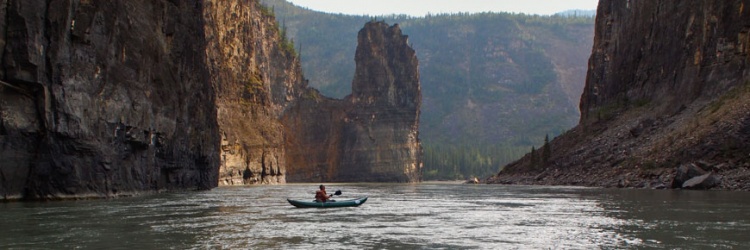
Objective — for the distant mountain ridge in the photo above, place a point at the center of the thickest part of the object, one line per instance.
(494, 84)
(577, 13)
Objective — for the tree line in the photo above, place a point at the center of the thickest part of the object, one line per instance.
(463, 161)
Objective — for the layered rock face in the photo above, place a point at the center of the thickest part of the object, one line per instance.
(104, 98)
(666, 87)
(372, 134)
(667, 53)
(256, 76)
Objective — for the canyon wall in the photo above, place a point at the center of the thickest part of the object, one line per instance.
(256, 75)
(666, 90)
(666, 53)
(112, 98)
(372, 134)
(104, 98)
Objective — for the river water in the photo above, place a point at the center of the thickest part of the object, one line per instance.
(396, 216)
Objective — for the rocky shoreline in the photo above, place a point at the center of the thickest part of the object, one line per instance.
(650, 153)
(730, 180)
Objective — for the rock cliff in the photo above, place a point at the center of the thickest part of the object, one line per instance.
(370, 135)
(666, 87)
(104, 98)
(256, 75)
(110, 98)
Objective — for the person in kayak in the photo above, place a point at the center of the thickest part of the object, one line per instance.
(321, 195)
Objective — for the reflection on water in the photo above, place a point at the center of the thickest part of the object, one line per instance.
(682, 219)
(397, 216)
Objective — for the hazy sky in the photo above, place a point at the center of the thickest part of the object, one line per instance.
(422, 7)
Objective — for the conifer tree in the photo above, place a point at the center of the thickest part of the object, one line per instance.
(546, 150)
(534, 160)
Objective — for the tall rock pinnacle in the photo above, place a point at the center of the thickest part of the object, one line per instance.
(371, 135)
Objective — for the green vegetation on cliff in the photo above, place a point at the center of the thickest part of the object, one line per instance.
(493, 84)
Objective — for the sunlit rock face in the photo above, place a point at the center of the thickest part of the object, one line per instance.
(256, 76)
(372, 134)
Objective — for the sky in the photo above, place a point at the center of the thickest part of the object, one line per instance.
(422, 7)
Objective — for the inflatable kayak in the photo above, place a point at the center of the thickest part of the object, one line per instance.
(338, 203)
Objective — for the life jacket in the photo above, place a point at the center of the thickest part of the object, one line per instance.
(321, 195)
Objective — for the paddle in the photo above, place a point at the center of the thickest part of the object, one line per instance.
(338, 192)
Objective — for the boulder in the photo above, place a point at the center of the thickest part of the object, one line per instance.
(686, 172)
(472, 181)
(705, 181)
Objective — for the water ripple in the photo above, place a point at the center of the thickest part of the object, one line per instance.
(424, 216)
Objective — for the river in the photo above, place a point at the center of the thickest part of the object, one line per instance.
(396, 216)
